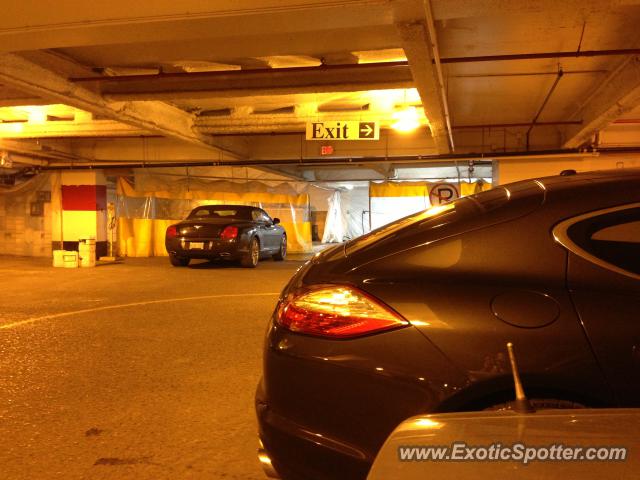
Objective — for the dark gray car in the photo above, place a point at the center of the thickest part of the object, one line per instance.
(229, 232)
(413, 317)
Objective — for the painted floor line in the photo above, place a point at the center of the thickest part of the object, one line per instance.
(11, 270)
(126, 305)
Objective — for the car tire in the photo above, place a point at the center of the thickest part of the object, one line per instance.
(251, 258)
(178, 261)
(282, 253)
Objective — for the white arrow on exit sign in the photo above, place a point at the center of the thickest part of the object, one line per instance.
(343, 130)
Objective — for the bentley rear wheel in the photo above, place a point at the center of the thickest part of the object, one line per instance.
(250, 259)
(279, 256)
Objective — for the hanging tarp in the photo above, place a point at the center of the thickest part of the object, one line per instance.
(391, 201)
(335, 224)
(144, 215)
(355, 211)
(470, 188)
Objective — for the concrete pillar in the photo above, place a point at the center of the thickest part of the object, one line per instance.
(79, 204)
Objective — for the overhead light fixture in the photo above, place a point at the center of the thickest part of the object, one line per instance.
(37, 113)
(406, 120)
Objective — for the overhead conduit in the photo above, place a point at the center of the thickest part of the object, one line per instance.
(544, 104)
(310, 162)
(129, 79)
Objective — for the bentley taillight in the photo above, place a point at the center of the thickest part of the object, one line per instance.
(336, 311)
(229, 233)
(172, 232)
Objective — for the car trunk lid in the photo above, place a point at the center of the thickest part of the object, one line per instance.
(204, 228)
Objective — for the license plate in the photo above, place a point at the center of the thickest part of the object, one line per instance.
(198, 245)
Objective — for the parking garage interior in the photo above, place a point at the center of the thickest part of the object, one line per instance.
(337, 117)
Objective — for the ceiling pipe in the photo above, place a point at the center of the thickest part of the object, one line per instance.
(543, 55)
(544, 104)
(400, 65)
(627, 121)
(514, 125)
(528, 74)
(325, 68)
(310, 162)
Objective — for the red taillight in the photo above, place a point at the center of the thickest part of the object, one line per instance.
(172, 232)
(229, 233)
(337, 312)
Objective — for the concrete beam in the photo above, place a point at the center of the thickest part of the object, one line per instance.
(156, 117)
(619, 93)
(41, 153)
(284, 172)
(36, 26)
(340, 58)
(385, 169)
(20, 160)
(20, 101)
(70, 129)
(418, 48)
(260, 82)
(133, 149)
(537, 11)
(283, 122)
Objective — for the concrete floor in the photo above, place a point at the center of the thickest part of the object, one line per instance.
(136, 370)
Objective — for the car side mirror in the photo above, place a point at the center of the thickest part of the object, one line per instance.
(276, 221)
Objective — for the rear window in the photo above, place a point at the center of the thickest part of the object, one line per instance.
(221, 212)
(435, 217)
(612, 238)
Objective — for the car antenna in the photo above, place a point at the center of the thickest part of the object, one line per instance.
(521, 404)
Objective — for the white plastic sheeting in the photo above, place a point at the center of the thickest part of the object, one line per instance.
(389, 209)
(145, 213)
(355, 211)
(391, 201)
(335, 225)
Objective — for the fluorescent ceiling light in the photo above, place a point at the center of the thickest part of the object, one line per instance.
(406, 120)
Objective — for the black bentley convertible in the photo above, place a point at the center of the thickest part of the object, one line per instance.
(233, 232)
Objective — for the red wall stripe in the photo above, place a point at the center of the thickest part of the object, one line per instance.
(84, 197)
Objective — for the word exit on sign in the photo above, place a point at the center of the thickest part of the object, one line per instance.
(343, 130)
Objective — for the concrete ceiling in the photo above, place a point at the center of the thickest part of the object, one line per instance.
(238, 80)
